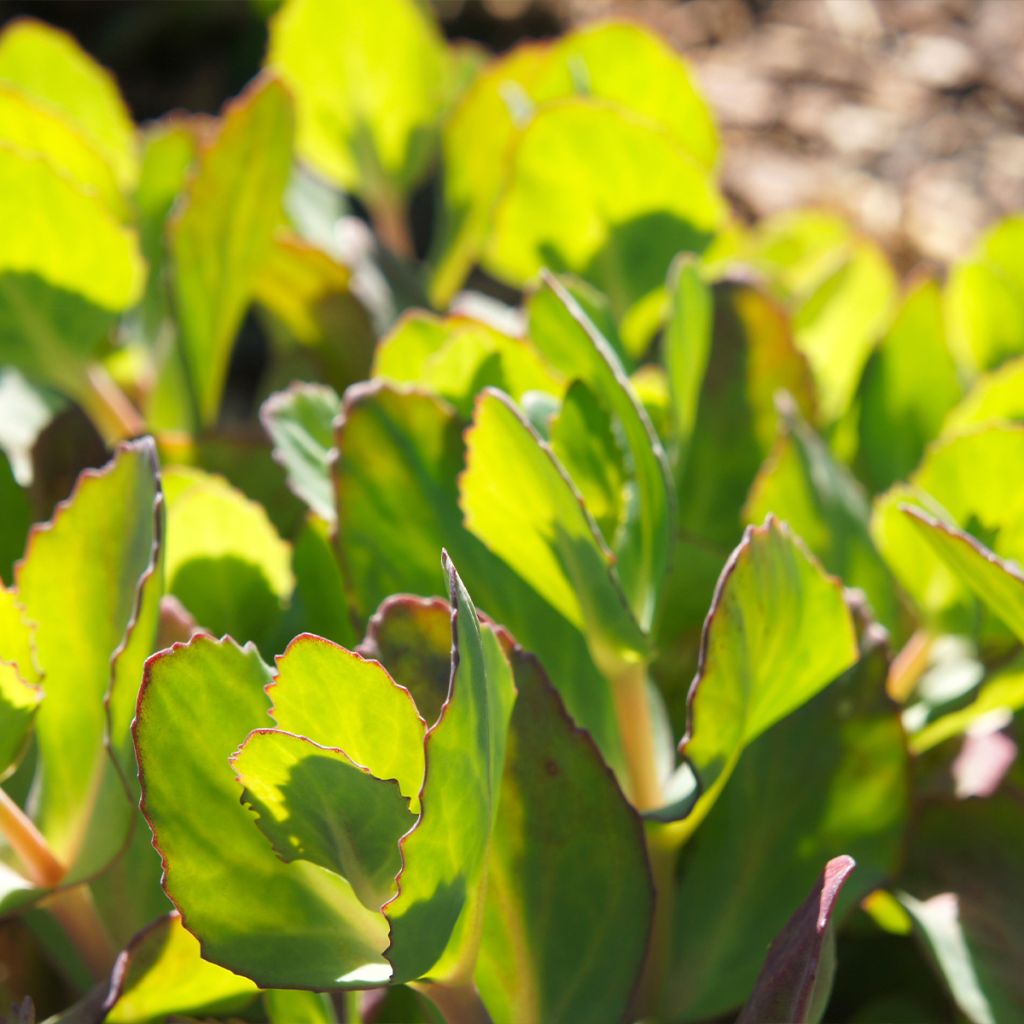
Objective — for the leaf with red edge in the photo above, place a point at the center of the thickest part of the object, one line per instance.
(796, 979)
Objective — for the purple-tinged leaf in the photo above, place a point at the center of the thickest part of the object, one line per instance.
(795, 981)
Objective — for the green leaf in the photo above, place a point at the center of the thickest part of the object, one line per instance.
(909, 385)
(51, 69)
(839, 324)
(569, 894)
(443, 857)
(617, 62)
(404, 450)
(962, 888)
(19, 702)
(79, 583)
(55, 308)
(583, 442)
(360, 710)
(618, 230)
(688, 337)
(518, 501)
(963, 481)
(369, 88)
(985, 298)
(314, 803)
(319, 604)
(162, 973)
(999, 584)
(778, 632)
(294, 1006)
(796, 980)
(309, 296)
(752, 357)
(34, 128)
(15, 518)
(996, 397)
(300, 422)
(570, 341)
(825, 505)
(196, 704)
(412, 637)
(221, 234)
(225, 561)
(457, 357)
(841, 761)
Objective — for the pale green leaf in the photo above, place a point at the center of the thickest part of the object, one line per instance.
(518, 501)
(370, 84)
(620, 229)
(778, 632)
(300, 422)
(314, 803)
(161, 973)
(197, 703)
(221, 233)
(50, 68)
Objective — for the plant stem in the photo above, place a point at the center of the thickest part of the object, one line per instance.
(108, 406)
(908, 666)
(76, 913)
(632, 708)
(459, 1004)
(391, 225)
(73, 908)
(38, 862)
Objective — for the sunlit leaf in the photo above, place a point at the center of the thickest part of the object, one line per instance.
(93, 558)
(571, 342)
(618, 230)
(300, 422)
(225, 561)
(617, 62)
(369, 85)
(517, 499)
(19, 702)
(398, 451)
(963, 481)
(442, 857)
(909, 385)
(50, 68)
(314, 803)
(198, 702)
(996, 397)
(778, 632)
(58, 300)
(802, 483)
(338, 699)
(161, 972)
(995, 582)
(221, 233)
(456, 358)
(985, 298)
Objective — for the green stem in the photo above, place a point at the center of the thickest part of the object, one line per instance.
(73, 908)
(632, 708)
(107, 406)
(391, 225)
(662, 852)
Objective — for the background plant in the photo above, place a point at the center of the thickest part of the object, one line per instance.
(739, 512)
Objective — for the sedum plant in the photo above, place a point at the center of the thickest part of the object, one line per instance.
(630, 633)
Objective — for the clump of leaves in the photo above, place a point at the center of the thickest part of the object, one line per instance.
(651, 640)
